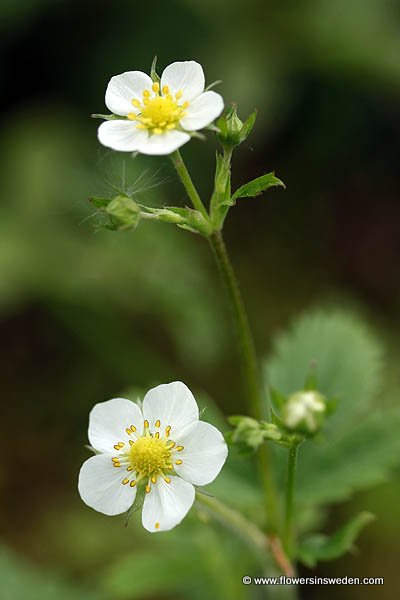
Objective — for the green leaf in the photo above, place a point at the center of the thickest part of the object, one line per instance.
(257, 186)
(346, 358)
(364, 456)
(319, 547)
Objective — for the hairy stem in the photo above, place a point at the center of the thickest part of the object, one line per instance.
(288, 533)
(188, 184)
(251, 373)
(249, 361)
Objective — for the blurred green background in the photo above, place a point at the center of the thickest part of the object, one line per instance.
(89, 315)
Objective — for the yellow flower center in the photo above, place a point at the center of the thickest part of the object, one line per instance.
(159, 112)
(149, 456)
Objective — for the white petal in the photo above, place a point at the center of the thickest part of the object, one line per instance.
(164, 143)
(204, 453)
(124, 88)
(186, 77)
(108, 422)
(173, 404)
(121, 135)
(100, 486)
(167, 504)
(202, 111)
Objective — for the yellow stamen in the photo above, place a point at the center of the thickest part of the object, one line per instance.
(116, 464)
(131, 442)
(178, 462)
(158, 423)
(133, 483)
(125, 481)
(157, 435)
(130, 469)
(154, 479)
(165, 90)
(156, 87)
(167, 430)
(167, 479)
(148, 489)
(116, 446)
(133, 428)
(179, 94)
(128, 431)
(146, 424)
(157, 525)
(157, 130)
(132, 116)
(180, 448)
(146, 93)
(136, 103)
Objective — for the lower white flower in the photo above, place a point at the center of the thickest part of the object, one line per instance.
(157, 118)
(162, 445)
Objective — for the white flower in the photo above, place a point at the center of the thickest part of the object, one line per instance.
(158, 117)
(163, 446)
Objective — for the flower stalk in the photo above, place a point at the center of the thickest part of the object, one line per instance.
(187, 182)
(256, 402)
(288, 530)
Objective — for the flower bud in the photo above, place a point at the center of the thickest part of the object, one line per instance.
(232, 129)
(124, 213)
(304, 412)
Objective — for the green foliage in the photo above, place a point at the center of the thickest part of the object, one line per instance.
(365, 455)
(257, 187)
(356, 449)
(346, 355)
(321, 547)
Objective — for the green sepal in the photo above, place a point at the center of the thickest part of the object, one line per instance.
(320, 547)
(100, 203)
(107, 117)
(153, 72)
(232, 130)
(257, 186)
(277, 398)
(248, 125)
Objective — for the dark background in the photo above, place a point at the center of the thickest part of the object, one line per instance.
(87, 315)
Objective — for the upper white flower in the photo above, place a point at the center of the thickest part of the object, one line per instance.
(163, 445)
(158, 115)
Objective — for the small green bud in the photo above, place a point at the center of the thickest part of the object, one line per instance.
(232, 129)
(250, 433)
(124, 213)
(304, 412)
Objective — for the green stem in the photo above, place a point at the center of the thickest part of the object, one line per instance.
(257, 405)
(288, 533)
(250, 368)
(247, 531)
(188, 183)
